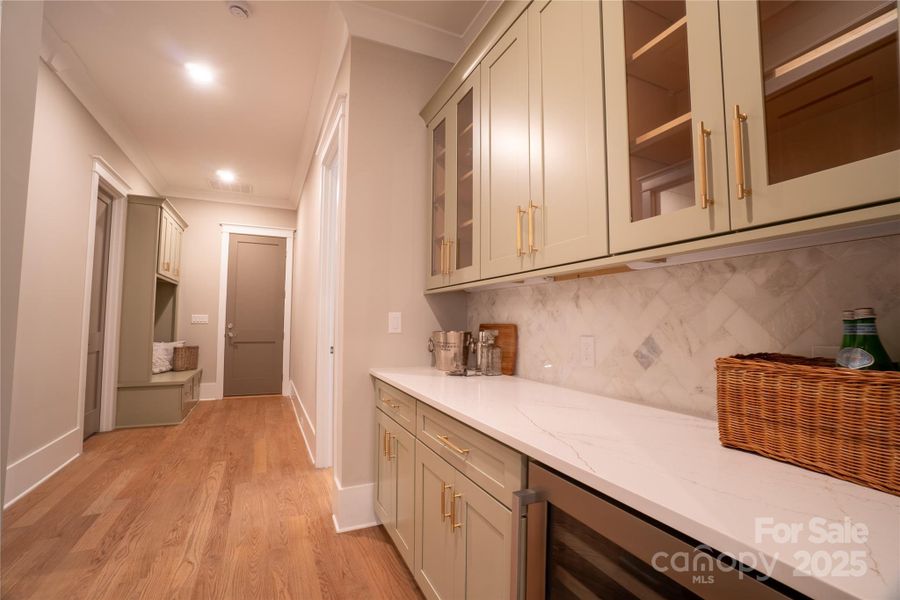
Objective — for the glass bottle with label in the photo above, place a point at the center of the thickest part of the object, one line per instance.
(868, 352)
(847, 342)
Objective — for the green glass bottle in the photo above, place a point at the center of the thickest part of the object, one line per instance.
(849, 339)
(868, 353)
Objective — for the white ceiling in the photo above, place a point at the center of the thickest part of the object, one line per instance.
(125, 62)
(452, 16)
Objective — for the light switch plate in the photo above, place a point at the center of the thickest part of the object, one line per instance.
(586, 351)
(200, 319)
(395, 324)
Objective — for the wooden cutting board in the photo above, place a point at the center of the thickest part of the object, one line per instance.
(508, 340)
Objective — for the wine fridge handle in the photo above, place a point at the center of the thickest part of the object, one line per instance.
(520, 501)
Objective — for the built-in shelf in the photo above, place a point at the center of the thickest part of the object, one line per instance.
(666, 143)
(466, 175)
(663, 61)
(829, 53)
(466, 223)
(439, 155)
(663, 40)
(467, 129)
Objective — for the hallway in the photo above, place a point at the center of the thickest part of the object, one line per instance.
(225, 505)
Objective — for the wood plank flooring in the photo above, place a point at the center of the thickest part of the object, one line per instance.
(226, 505)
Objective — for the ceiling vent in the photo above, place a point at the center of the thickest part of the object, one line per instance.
(238, 188)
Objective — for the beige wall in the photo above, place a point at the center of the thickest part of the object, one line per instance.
(54, 262)
(21, 42)
(384, 257)
(198, 291)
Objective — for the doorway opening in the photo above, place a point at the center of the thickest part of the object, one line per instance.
(331, 151)
(93, 381)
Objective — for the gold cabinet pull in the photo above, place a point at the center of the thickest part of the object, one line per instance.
(443, 259)
(165, 266)
(453, 523)
(391, 455)
(703, 136)
(519, 212)
(384, 443)
(446, 440)
(389, 403)
(444, 488)
(739, 119)
(449, 257)
(531, 208)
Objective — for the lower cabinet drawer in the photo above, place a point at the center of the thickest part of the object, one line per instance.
(497, 468)
(397, 405)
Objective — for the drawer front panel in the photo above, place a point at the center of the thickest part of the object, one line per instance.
(397, 405)
(493, 466)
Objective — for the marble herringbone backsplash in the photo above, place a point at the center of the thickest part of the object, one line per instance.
(658, 332)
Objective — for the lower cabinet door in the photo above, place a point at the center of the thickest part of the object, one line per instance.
(482, 531)
(404, 469)
(435, 544)
(385, 481)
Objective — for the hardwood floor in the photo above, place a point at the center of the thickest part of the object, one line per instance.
(225, 505)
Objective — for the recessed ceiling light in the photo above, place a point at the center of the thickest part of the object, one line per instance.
(200, 73)
(226, 176)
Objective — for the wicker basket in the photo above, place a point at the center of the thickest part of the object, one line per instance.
(184, 358)
(808, 412)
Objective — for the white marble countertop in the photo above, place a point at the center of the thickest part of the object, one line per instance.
(672, 468)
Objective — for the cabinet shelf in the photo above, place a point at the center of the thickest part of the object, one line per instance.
(666, 143)
(829, 53)
(663, 61)
(466, 223)
(467, 129)
(466, 175)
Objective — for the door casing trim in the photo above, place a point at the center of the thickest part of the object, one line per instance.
(104, 175)
(282, 232)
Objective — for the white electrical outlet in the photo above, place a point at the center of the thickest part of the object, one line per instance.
(395, 324)
(200, 319)
(587, 351)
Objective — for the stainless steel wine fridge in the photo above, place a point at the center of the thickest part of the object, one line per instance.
(574, 543)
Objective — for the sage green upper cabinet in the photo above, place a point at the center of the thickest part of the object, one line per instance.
(665, 122)
(456, 188)
(811, 94)
(506, 186)
(437, 222)
(171, 230)
(566, 219)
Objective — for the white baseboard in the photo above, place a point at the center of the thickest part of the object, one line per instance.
(209, 391)
(30, 471)
(304, 422)
(353, 507)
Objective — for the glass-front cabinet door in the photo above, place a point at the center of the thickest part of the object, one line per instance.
(466, 208)
(665, 123)
(811, 93)
(437, 223)
(455, 188)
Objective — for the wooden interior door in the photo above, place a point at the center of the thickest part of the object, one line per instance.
(94, 376)
(254, 315)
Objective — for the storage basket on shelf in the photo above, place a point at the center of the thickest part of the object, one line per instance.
(806, 411)
(184, 358)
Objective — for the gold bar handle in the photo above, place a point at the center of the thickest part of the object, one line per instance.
(739, 120)
(391, 447)
(446, 440)
(453, 515)
(444, 488)
(165, 266)
(519, 212)
(443, 258)
(389, 403)
(531, 208)
(449, 257)
(384, 443)
(703, 136)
